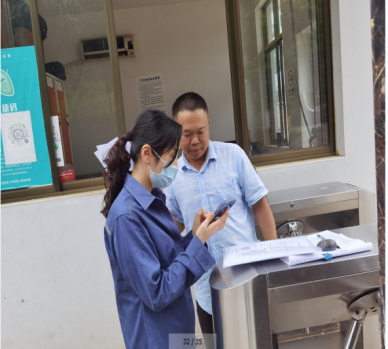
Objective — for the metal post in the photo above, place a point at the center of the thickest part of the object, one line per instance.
(120, 117)
(353, 334)
(358, 310)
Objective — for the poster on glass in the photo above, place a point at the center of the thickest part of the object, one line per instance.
(24, 155)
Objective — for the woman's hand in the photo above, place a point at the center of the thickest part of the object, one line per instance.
(207, 230)
(198, 219)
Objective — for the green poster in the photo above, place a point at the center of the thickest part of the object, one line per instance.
(24, 155)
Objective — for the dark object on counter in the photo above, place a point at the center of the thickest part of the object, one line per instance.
(20, 16)
(327, 245)
(57, 69)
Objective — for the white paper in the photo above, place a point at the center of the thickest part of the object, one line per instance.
(18, 138)
(265, 250)
(347, 246)
(150, 92)
(103, 149)
(57, 141)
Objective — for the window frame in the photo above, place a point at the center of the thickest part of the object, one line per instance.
(275, 45)
(83, 185)
(239, 96)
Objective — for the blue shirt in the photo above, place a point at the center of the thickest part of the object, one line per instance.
(227, 173)
(153, 267)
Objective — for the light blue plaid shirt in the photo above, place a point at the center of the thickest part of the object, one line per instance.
(226, 174)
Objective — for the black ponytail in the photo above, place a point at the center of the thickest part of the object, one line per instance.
(154, 128)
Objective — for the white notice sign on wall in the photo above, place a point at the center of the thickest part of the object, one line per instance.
(150, 92)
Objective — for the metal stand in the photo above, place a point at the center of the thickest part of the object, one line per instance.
(293, 228)
(359, 309)
(255, 302)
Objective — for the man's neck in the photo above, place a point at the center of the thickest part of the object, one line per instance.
(198, 163)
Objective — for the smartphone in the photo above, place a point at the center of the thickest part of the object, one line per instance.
(222, 207)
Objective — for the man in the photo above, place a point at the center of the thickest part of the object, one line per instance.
(210, 172)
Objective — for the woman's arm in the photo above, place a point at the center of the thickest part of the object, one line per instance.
(139, 263)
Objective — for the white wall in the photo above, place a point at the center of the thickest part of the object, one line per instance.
(53, 255)
(57, 287)
(188, 44)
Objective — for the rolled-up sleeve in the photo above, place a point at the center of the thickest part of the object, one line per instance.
(173, 206)
(249, 181)
(139, 263)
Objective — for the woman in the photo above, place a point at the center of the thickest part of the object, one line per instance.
(153, 267)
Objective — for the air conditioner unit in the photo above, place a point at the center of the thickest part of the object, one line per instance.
(99, 48)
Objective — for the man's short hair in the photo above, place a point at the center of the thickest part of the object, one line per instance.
(190, 101)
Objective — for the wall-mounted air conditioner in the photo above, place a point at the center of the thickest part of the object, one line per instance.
(99, 48)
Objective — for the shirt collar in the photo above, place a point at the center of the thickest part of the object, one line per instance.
(141, 194)
(211, 155)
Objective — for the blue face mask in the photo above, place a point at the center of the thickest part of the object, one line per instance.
(165, 178)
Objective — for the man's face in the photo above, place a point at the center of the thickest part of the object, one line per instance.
(195, 133)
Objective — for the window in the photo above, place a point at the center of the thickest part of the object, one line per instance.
(59, 106)
(280, 59)
(80, 86)
(280, 54)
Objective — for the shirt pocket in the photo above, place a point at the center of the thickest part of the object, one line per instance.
(220, 193)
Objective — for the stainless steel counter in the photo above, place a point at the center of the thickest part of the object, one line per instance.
(322, 206)
(255, 301)
(312, 195)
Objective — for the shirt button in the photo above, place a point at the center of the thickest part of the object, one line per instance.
(206, 263)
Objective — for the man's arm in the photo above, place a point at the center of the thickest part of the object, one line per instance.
(265, 218)
(180, 225)
(255, 192)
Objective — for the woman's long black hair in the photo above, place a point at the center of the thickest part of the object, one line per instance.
(154, 128)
